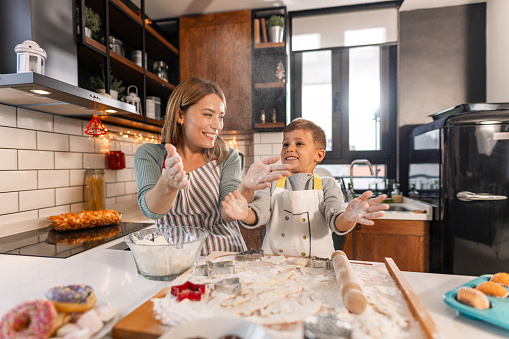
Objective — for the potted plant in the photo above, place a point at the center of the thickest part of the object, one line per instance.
(92, 21)
(97, 83)
(276, 28)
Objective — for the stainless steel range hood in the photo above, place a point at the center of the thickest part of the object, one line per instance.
(63, 99)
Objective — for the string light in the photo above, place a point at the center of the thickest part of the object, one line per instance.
(234, 144)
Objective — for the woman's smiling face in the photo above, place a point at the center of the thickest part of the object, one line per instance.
(202, 122)
(299, 150)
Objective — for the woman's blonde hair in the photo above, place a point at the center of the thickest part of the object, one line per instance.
(185, 95)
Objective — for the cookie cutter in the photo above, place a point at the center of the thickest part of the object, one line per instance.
(324, 263)
(211, 269)
(229, 286)
(326, 326)
(250, 255)
(188, 290)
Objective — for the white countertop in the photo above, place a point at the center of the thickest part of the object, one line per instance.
(112, 273)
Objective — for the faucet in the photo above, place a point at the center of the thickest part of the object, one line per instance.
(351, 191)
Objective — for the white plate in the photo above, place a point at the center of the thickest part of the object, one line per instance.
(215, 328)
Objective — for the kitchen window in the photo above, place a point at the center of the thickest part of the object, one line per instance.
(344, 72)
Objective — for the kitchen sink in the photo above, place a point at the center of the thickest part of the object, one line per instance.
(396, 208)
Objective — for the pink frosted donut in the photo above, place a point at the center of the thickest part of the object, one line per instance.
(31, 319)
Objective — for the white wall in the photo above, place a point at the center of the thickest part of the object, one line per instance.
(497, 51)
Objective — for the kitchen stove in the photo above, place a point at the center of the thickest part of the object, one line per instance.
(45, 242)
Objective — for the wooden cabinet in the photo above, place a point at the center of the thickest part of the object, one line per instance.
(218, 47)
(405, 241)
(122, 20)
(269, 89)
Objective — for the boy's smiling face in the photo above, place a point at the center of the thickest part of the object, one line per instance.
(300, 151)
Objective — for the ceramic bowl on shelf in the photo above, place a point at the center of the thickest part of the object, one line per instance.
(165, 255)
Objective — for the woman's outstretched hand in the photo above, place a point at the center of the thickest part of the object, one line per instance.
(235, 206)
(362, 209)
(263, 172)
(174, 173)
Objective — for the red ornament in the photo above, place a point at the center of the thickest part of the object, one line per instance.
(95, 127)
(188, 290)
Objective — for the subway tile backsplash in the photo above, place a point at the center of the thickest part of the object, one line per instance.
(44, 158)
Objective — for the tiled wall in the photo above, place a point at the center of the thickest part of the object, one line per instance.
(43, 159)
(256, 146)
(267, 144)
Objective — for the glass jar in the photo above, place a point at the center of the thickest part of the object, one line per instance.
(160, 69)
(396, 194)
(94, 189)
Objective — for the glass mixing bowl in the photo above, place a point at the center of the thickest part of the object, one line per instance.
(165, 255)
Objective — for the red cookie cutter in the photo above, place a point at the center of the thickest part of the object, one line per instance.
(188, 290)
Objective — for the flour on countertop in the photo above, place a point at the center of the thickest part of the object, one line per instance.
(279, 293)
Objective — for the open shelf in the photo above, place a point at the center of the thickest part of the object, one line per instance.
(268, 88)
(124, 21)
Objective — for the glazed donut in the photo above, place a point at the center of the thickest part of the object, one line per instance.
(30, 319)
(72, 298)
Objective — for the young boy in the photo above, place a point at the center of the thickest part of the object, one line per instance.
(301, 210)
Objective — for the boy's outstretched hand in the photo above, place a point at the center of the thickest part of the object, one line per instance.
(362, 209)
(263, 172)
(235, 206)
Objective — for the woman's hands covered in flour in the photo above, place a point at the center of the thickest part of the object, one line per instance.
(235, 206)
(263, 172)
(362, 209)
(174, 173)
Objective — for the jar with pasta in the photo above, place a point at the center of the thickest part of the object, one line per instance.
(94, 189)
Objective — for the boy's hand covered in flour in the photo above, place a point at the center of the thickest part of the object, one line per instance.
(362, 209)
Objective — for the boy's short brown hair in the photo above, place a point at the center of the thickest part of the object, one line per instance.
(316, 131)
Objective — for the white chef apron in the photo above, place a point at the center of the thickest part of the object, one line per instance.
(297, 227)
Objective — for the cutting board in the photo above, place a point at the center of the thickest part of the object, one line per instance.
(141, 323)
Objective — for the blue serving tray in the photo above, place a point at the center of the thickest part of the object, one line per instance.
(497, 314)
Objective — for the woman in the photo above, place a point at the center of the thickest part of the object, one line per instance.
(184, 180)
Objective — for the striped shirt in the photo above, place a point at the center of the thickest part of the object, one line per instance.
(199, 204)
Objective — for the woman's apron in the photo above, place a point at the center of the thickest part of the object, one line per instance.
(297, 226)
(197, 205)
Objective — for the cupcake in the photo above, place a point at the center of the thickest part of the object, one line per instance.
(501, 278)
(492, 289)
(474, 298)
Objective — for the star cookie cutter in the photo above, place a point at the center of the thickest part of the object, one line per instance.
(250, 255)
(211, 269)
(229, 286)
(188, 290)
(324, 263)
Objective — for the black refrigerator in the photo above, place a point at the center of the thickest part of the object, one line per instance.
(459, 163)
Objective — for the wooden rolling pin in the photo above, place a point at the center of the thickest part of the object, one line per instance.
(353, 297)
